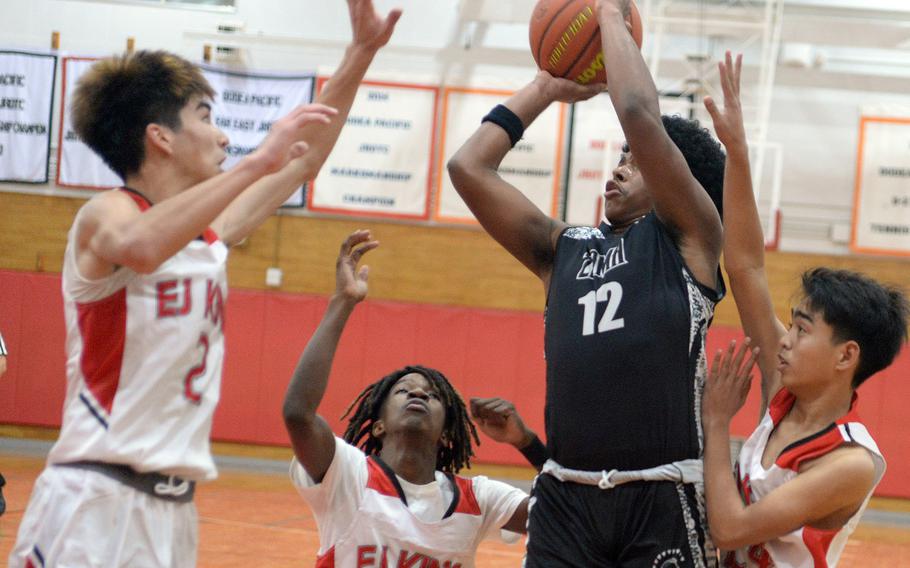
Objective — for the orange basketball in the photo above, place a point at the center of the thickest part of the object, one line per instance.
(565, 39)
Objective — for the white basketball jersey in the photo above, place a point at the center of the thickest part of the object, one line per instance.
(806, 547)
(368, 518)
(386, 533)
(144, 358)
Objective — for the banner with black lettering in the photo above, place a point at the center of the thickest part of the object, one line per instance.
(78, 165)
(881, 211)
(596, 145)
(246, 105)
(533, 166)
(26, 102)
(381, 163)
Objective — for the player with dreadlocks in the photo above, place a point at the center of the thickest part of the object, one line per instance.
(455, 449)
(387, 493)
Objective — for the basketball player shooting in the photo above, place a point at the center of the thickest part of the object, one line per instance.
(144, 289)
(628, 306)
(805, 475)
(387, 494)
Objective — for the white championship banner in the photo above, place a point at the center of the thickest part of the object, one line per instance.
(881, 210)
(381, 163)
(246, 105)
(77, 165)
(533, 166)
(26, 100)
(596, 145)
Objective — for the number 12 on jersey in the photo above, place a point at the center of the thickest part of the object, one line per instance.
(611, 293)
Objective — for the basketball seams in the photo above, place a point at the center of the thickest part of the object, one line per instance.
(586, 60)
(553, 19)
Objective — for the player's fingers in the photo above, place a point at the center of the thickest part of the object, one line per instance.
(750, 362)
(715, 365)
(357, 236)
(737, 75)
(740, 355)
(362, 248)
(712, 109)
(728, 358)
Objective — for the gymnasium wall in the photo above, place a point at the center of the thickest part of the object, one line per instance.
(449, 298)
(817, 126)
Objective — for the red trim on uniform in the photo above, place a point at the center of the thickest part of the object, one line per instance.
(143, 204)
(467, 502)
(102, 327)
(818, 541)
(378, 480)
(28, 563)
(326, 560)
(815, 448)
(210, 236)
(781, 405)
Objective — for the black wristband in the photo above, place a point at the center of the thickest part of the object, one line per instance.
(536, 453)
(504, 118)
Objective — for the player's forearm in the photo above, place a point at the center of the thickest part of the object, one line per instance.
(164, 229)
(631, 87)
(744, 247)
(724, 505)
(261, 200)
(310, 378)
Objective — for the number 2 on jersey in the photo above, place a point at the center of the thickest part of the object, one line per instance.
(191, 394)
(611, 293)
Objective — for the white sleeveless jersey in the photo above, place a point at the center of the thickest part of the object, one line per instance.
(805, 547)
(364, 520)
(144, 358)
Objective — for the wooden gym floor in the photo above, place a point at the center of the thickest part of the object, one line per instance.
(252, 516)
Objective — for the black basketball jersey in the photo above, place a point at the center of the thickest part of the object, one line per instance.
(625, 347)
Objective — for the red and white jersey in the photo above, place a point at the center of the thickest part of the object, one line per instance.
(144, 358)
(369, 517)
(805, 547)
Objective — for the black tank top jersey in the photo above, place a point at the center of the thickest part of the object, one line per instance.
(625, 347)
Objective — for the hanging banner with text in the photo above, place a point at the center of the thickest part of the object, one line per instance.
(26, 101)
(881, 207)
(247, 104)
(78, 165)
(381, 163)
(596, 145)
(533, 165)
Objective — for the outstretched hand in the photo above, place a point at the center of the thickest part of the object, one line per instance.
(351, 283)
(499, 420)
(728, 123)
(285, 140)
(728, 381)
(371, 31)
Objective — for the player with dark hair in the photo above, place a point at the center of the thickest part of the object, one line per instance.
(807, 472)
(387, 493)
(455, 449)
(628, 306)
(144, 290)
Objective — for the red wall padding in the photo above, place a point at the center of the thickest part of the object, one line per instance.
(483, 352)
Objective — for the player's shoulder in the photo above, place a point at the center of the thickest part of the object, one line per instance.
(111, 205)
(849, 461)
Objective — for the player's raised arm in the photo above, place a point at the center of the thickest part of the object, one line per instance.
(506, 214)
(371, 32)
(110, 230)
(311, 437)
(744, 247)
(679, 200)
